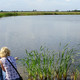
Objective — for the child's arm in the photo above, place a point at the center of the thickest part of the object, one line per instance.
(2, 65)
(16, 58)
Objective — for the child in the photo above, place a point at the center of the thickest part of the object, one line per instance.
(11, 74)
(1, 74)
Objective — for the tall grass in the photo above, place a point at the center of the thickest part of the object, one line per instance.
(4, 14)
(45, 64)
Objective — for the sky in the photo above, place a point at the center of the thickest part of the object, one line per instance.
(39, 5)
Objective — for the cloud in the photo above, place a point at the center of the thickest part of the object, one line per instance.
(39, 0)
(68, 0)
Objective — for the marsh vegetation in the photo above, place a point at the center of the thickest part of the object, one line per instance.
(44, 64)
(4, 14)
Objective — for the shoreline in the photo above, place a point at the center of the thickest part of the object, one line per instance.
(6, 14)
(22, 70)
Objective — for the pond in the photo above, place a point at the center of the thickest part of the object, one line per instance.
(30, 32)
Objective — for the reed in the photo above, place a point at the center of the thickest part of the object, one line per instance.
(4, 14)
(45, 64)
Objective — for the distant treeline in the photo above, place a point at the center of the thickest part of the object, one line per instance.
(42, 11)
(23, 13)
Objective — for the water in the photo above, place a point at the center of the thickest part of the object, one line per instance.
(30, 32)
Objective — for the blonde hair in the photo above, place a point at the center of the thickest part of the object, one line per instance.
(4, 52)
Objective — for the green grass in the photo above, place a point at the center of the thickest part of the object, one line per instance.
(4, 14)
(47, 64)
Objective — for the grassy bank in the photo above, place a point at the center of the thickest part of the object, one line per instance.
(4, 14)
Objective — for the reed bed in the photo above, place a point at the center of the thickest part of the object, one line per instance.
(4, 14)
(45, 64)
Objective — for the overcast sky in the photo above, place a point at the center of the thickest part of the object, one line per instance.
(39, 5)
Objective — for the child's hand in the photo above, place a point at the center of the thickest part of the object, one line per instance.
(16, 58)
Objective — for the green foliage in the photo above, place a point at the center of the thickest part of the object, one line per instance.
(48, 64)
(3, 14)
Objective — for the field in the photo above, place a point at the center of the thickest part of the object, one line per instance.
(4, 14)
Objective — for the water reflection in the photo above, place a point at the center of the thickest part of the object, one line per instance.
(30, 32)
